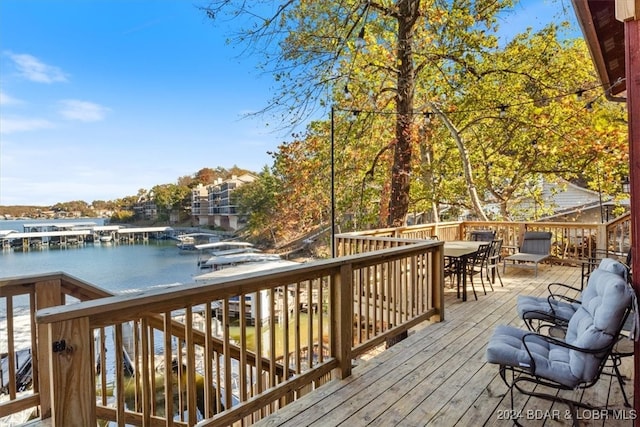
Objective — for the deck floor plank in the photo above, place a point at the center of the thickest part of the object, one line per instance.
(438, 376)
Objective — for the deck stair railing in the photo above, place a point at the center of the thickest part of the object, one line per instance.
(224, 352)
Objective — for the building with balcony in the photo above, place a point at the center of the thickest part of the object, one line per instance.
(200, 205)
(214, 204)
(146, 209)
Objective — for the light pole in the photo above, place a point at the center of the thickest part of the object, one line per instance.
(599, 173)
(333, 195)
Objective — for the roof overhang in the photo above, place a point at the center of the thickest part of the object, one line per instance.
(604, 35)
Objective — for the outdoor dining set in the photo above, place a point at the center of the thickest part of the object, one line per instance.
(482, 256)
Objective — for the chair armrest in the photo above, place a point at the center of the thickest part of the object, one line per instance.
(546, 316)
(554, 288)
(554, 297)
(561, 285)
(561, 343)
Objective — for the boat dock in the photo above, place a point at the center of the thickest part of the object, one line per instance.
(65, 233)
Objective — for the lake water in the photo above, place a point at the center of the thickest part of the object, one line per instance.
(115, 267)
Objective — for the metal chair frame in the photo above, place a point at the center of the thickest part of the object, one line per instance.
(556, 326)
(524, 375)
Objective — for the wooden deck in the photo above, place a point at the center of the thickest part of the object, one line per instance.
(438, 375)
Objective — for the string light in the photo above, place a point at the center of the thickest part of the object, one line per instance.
(427, 117)
(503, 107)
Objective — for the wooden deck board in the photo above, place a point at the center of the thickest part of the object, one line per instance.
(438, 375)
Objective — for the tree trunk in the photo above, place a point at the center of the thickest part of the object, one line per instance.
(426, 160)
(466, 165)
(401, 169)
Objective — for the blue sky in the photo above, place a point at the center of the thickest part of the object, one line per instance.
(101, 98)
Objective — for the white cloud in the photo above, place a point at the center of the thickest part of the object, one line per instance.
(21, 124)
(8, 100)
(35, 70)
(73, 109)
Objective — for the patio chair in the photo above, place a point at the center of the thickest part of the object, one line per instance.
(482, 235)
(535, 248)
(476, 266)
(557, 308)
(493, 261)
(451, 271)
(552, 313)
(590, 264)
(479, 265)
(577, 361)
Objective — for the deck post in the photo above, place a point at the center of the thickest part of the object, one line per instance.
(437, 281)
(342, 319)
(632, 42)
(48, 294)
(73, 383)
(629, 12)
(602, 242)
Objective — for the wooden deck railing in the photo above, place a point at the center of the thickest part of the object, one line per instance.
(22, 342)
(183, 353)
(571, 241)
(300, 327)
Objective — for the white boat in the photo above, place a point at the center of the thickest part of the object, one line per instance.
(224, 248)
(189, 242)
(246, 268)
(219, 262)
(106, 238)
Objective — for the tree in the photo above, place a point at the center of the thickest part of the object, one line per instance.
(122, 216)
(169, 196)
(315, 48)
(258, 200)
(79, 206)
(443, 119)
(206, 176)
(521, 119)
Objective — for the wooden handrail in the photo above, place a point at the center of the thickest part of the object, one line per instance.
(338, 309)
(393, 289)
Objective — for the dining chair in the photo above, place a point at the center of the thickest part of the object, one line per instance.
(482, 235)
(477, 265)
(493, 261)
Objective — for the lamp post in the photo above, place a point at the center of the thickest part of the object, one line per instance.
(598, 171)
(333, 195)
(626, 185)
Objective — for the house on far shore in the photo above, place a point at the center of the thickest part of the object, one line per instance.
(213, 205)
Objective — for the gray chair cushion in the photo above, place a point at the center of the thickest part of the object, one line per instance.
(543, 308)
(593, 326)
(610, 264)
(506, 347)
